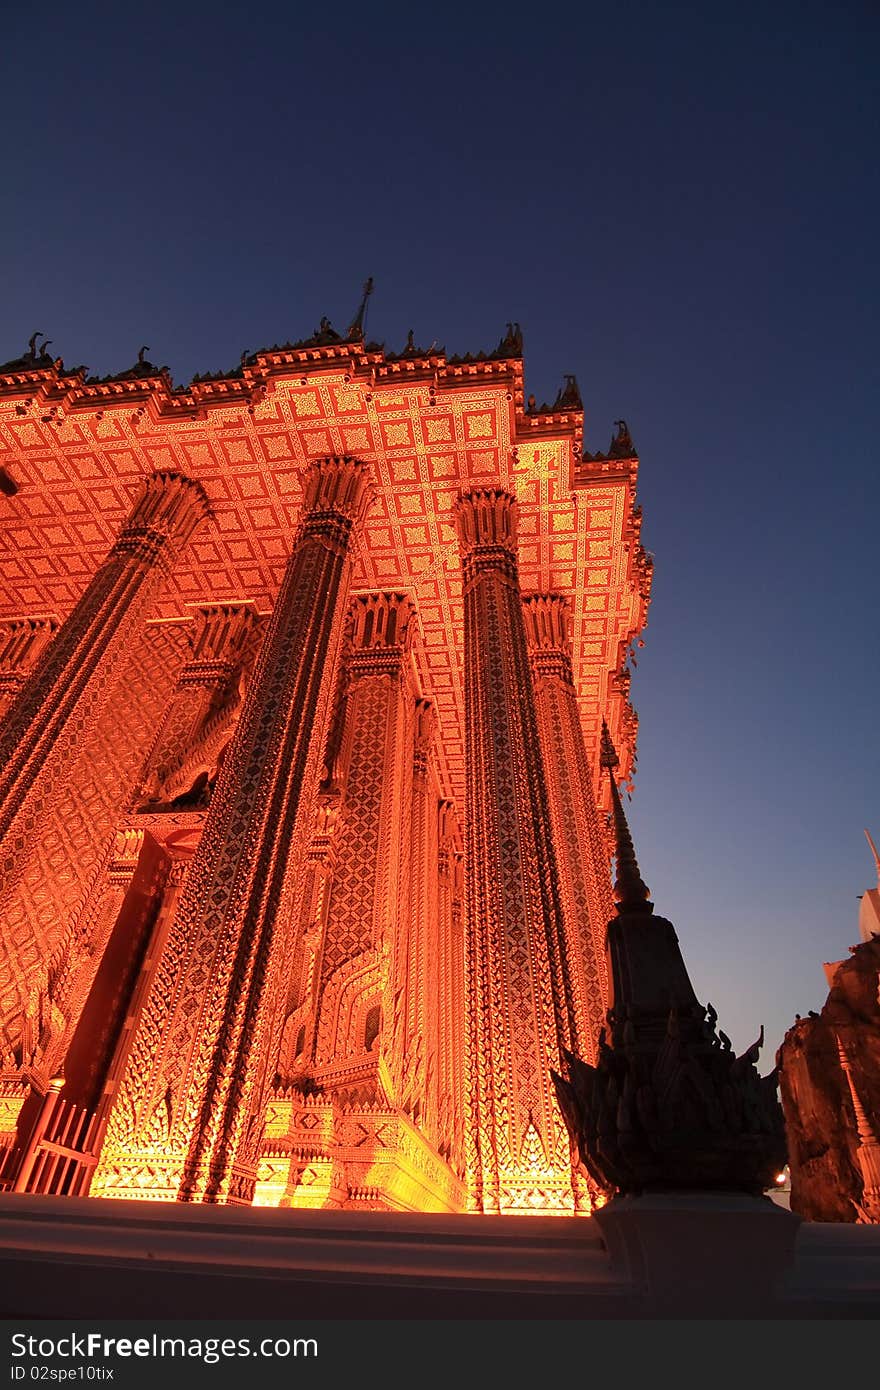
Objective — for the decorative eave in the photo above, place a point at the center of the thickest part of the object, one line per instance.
(248, 382)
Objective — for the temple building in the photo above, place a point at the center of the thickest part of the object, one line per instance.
(305, 869)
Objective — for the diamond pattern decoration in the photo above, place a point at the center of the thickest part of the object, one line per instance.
(425, 442)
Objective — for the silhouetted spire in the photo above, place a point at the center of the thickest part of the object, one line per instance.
(668, 1105)
(631, 893)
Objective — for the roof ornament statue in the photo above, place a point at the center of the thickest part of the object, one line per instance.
(412, 349)
(323, 336)
(511, 344)
(37, 357)
(141, 368)
(355, 332)
(569, 396)
(621, 445)
(668, 1105)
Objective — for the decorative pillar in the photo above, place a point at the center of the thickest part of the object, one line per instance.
(22, 643)
(450, 1001)
(584, 866)
(70, 747)
(199, 718)
(521, 994)
(298, 1033)
(191, 1110)
(362, 1003)
(74, 678)
(419, 969)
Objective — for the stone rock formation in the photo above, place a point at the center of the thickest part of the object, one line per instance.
(829, 1074)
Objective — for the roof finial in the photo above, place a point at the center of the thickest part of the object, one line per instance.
(875, 854)
(864, 1127)
(356, 328)
(621, 445)
(630, 891)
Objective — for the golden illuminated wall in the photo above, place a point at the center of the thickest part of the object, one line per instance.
(355, 1021)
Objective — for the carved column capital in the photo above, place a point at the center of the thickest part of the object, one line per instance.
(486, 521)
(337, 493)
(548, 634)
(380, 633)
(163, 519)
(221, 634)
(22, 643)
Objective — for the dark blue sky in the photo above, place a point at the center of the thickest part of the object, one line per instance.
(679, 203)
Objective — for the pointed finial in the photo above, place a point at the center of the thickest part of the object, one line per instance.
(141, 355)
(631, 893)
(875, 854)
(356, 327)
(864, 1126)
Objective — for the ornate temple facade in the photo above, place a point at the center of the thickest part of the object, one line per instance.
(305, 853)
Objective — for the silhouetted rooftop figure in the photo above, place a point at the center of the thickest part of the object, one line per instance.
(569, 396)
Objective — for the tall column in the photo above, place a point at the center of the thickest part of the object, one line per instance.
(521, 995)
(298, 1033)
(424, 987)
(191, 1109)
(22, 643)
(584, 866)
(74, 678)
(363, 960)
(449, 1003)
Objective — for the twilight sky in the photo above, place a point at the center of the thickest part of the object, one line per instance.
(678, 203)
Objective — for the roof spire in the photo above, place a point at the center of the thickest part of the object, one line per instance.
(356, 327)
(630, 891)
(863, 1124)
(875, 854)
